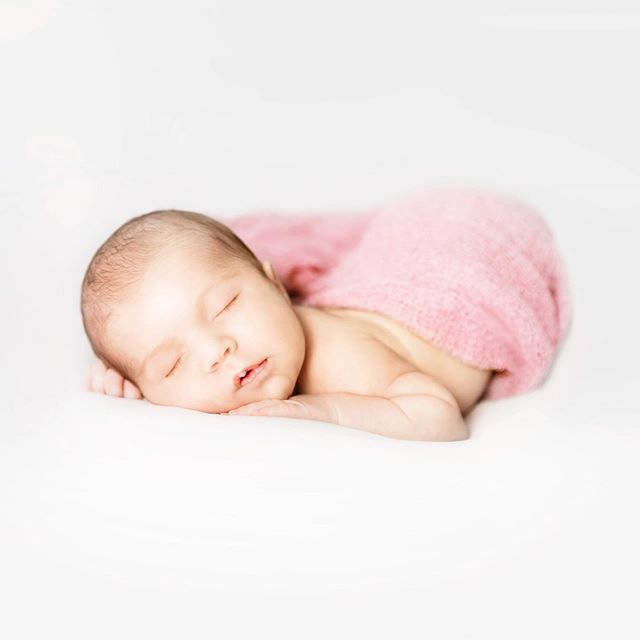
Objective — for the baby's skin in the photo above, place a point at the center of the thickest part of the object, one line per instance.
(189, 330)
(104, 379)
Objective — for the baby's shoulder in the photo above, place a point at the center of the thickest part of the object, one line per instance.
(359, 351)
(345, 354)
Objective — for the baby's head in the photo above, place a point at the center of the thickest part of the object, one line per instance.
(178, 304)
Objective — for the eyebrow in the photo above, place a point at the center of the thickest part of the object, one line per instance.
(163, 345)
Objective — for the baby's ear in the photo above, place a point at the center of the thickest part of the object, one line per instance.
(267, 267)
(269, 270)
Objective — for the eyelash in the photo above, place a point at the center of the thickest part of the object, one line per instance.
(177, 364)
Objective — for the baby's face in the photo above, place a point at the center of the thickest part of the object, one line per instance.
(189, 330)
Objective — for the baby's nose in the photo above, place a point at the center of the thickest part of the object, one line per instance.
(216, 353)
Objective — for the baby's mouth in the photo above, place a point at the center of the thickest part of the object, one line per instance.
(250, 373)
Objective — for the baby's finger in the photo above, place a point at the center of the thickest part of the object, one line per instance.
(253, 408)
(97, 383)
(98, 368)
(113, 383)
(94, 381)
(131, 391)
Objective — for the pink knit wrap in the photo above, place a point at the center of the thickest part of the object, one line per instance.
(475, 272)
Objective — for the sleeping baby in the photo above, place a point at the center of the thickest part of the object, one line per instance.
(181, 311)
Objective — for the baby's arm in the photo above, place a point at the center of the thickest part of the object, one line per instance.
(413, 407)
(405, 417)
(102, 379)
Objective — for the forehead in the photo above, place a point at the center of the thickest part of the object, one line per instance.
(169, 286)
(194, 255)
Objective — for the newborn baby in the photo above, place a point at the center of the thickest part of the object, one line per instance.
(179, 310)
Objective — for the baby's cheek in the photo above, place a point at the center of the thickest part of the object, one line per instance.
(278, 386)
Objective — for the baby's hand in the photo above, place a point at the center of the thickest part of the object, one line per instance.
(104, 380)
(304, 406)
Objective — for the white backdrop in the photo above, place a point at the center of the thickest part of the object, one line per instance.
(122, 519)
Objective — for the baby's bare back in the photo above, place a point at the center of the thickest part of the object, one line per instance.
(357, 351)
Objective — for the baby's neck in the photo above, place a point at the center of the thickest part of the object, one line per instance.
(311, 321)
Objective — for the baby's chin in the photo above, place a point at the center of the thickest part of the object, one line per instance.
(278, 387)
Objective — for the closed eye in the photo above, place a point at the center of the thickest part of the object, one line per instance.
(230, 304)
(177, 364)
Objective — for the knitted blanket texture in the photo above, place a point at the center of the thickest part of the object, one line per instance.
(475, 272)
